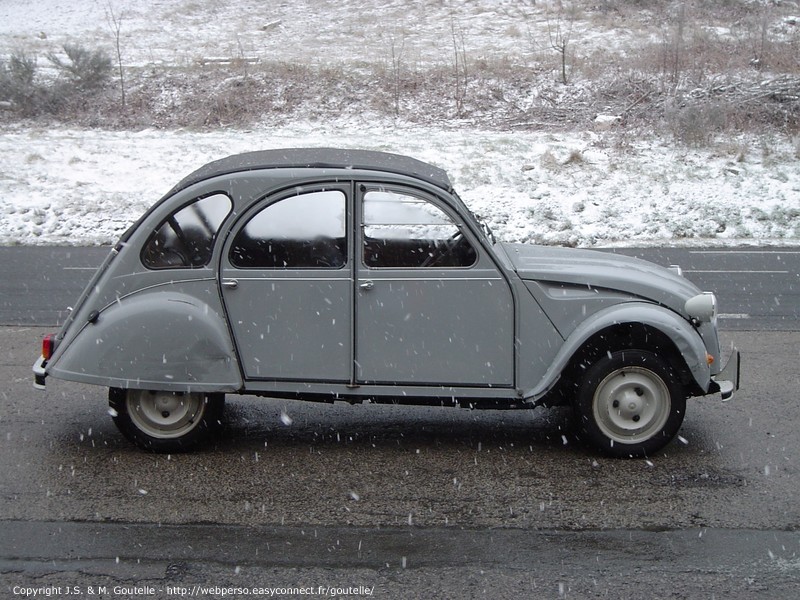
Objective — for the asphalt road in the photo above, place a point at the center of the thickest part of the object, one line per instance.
(403, 502)
(758, 288)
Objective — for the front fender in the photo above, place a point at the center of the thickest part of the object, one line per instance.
(164, 340)
(686, 339)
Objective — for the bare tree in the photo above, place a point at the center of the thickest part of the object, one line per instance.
(560, 36)
(397, 71)
(115, 23)
(674, 45)
(761, 41)
(460, 71)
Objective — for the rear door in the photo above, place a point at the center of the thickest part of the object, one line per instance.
(287, 286)
(431, 306)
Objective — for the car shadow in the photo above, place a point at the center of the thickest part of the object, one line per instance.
(250, 423)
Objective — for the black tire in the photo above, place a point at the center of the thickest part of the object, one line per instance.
(630, 404)
(168, 422)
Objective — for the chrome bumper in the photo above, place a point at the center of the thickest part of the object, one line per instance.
(727, 381)
(39, 374)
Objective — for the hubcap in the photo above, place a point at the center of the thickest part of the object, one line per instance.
(165, 415)
(631, 405)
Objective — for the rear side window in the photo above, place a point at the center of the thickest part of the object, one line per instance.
(306, 231)
(186, 238)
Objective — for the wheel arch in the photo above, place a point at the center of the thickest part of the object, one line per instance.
(630, 336)
(623, 327)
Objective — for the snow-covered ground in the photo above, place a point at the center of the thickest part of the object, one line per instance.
(597, 187)
(87, 186)
(169, 32)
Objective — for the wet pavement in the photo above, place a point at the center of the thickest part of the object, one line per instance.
(433, 562)
(412, 502)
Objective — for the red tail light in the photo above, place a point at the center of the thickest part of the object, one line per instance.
(48, 345)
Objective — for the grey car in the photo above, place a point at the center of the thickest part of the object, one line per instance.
(325, 274)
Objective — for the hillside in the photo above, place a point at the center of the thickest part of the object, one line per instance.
(619, 121)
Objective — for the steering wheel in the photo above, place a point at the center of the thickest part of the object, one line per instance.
(443, 251)
(183, 247)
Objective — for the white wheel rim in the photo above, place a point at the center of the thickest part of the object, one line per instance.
(165, 415)
(631, 405)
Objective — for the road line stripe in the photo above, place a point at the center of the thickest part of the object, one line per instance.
(725, 271)
(729, 252)
(734, 316)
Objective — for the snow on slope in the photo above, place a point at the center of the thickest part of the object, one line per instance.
(183, 31)
(86, 186)
(586, 188)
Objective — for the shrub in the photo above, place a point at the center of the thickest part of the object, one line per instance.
(83, 73)
(17, 79)
(696, 125)
(85, 69)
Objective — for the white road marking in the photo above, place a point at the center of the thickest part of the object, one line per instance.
(744, 252)
(727, 271)
(734, 316)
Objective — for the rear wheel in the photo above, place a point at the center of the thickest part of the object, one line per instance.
(630, 403)
(165, 421)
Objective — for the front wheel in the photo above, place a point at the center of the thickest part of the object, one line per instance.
(631, 403)
(165, 421)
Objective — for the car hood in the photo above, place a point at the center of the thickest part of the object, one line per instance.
(602, 270)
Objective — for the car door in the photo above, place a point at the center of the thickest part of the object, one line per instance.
(287, 287)
(431, 306)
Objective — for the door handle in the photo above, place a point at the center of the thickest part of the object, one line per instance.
(231, 284)
(367, 285)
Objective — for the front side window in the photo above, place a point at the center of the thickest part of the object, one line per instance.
(186, 238)
(406, 231)
(306, 231)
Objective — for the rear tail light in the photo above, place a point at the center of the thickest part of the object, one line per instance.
(48, 345)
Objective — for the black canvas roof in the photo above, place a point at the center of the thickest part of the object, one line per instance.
(327, 158)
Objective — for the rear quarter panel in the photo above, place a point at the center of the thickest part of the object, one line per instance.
(166, 338)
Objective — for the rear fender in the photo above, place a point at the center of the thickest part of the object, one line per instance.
(164, 340)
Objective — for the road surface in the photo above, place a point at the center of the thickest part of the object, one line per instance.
(402, 502)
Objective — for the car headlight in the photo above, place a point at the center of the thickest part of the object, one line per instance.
(702, 307)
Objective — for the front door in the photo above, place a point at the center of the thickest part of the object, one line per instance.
(287, 286)
(431, 306)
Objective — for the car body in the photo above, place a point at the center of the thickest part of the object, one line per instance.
(328, 274)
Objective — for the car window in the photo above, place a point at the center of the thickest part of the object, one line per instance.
(306, 231)
(406, 231)
(186, 238)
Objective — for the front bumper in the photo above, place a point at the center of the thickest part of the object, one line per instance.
(39, 374)
(727, 381)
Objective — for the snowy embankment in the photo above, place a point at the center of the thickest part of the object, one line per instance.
(604, 187)
(85, 187)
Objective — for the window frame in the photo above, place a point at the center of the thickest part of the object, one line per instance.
(273, 199)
